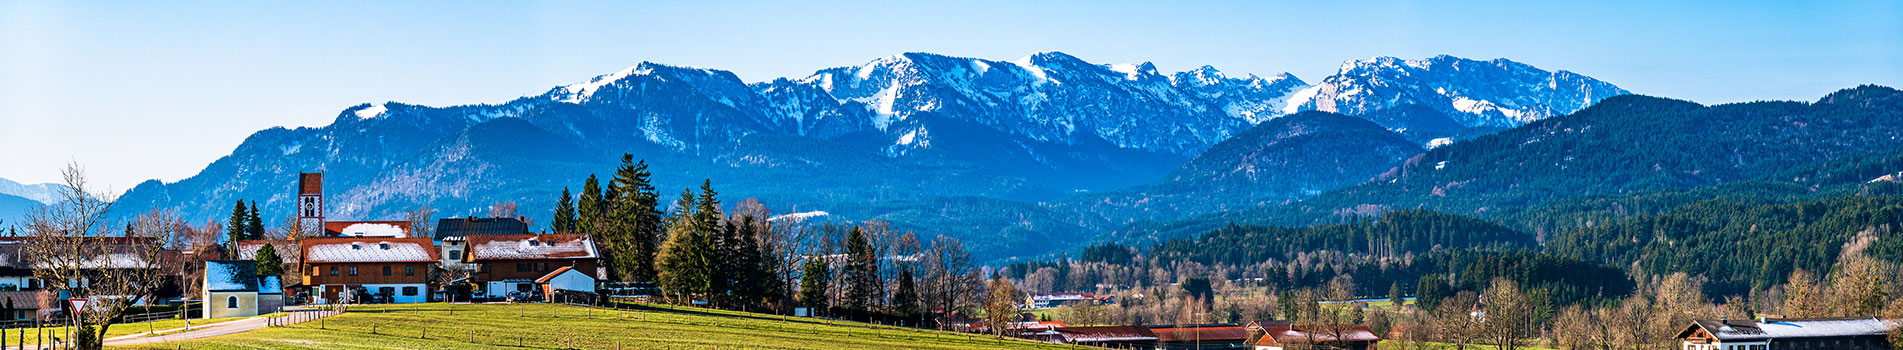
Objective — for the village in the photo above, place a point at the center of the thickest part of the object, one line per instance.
(482, 260)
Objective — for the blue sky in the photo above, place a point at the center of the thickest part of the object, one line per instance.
(139, 90)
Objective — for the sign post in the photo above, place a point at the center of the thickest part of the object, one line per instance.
(79, 307)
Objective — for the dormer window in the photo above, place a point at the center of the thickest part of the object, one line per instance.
(356, 246)
(384, 246)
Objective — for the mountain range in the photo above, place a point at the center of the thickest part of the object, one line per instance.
(1035, 144)
(1634, 147)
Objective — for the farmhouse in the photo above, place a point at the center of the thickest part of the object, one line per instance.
(1789, 333)
(507, 263)
(367, 269)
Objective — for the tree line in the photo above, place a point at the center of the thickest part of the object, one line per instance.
(694, 249)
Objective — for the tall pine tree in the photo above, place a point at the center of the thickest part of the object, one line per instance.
(589, 207)
(236, 226)
(254, 223)
(862, 272)
(564, 221)
(636, 220)
(815, 276)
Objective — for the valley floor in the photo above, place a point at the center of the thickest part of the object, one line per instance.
(498, 326)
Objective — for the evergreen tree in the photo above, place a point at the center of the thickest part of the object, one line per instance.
(235, 227)
(564, 214)
(814, 277)
(634, 221)
(589, 207)
(269, 263)
(685, 264)
(862, 272)
(254, 223)
(905, 298)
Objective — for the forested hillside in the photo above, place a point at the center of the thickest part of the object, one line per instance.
(1623, 146)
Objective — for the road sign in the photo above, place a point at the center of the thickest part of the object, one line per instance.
(79, 305)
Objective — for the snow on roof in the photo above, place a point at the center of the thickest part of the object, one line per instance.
(556, 246)
(1304, 334)
(1794, 328)
(368, 249)
(231, 276)
(394, 229)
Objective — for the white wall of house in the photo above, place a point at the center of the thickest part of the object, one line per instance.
(573, 280)
(501, 289)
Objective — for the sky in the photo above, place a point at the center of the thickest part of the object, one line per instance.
(157, 90)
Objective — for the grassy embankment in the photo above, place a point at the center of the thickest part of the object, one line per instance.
(500, 326)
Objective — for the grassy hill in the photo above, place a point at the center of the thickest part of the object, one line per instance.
(545, 326)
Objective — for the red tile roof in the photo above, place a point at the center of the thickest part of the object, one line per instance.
(1106, 333)
(1189, 333)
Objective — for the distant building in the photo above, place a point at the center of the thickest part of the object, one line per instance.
(1221, 336)
(1114, 337)
(1051, 300)
(386, 229)
(451, 235)
(234, 289)
(1352, 337)
(1788, 334)
(566, 281)
(367, 269)
(506, 263)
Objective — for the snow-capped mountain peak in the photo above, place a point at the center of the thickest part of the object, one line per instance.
(1497, 93)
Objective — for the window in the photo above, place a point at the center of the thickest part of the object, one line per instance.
(231, 302)
(353, 270)
(456, 255)
(383, 246)
(386, 291)
(541, 267)
(409, 270)
(409, 291)
(386, 270)
(521, 267)
(333, 270)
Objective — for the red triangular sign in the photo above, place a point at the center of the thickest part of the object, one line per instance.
(79, 305)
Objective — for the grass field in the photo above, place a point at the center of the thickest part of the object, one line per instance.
(545, 326)
(32, 336)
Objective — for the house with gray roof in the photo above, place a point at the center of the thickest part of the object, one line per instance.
(1852, 333)
(233, 288)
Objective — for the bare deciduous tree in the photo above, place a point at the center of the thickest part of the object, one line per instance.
(73, 244)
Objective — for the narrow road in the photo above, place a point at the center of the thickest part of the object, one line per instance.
(292, 315)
